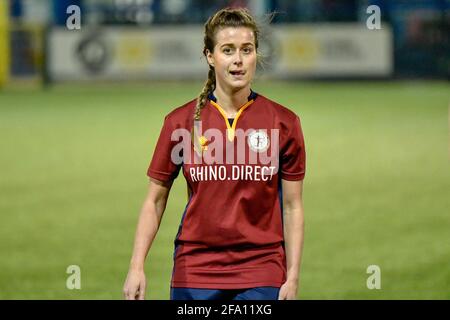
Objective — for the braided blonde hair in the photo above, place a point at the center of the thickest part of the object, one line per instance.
(229, 17)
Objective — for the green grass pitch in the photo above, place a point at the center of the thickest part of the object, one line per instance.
(377, 189)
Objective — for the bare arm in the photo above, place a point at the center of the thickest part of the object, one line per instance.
(148, 225)
(293, 235)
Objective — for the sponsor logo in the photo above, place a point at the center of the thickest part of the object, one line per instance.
(258, 141)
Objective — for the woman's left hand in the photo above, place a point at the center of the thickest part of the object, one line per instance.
(288, 290)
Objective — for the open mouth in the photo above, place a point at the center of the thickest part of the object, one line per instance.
(237, 73)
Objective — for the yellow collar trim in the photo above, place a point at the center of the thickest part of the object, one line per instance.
(231, 129)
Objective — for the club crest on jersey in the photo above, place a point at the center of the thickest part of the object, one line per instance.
(258, 141)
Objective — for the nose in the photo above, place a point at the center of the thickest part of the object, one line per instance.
(238, 58)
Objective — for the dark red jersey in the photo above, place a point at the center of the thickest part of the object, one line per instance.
(231, 232)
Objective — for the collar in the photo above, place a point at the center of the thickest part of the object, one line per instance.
(231, 127)
(252, 96)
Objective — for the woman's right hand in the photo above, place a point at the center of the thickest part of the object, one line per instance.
(149, 220)
(135, 284)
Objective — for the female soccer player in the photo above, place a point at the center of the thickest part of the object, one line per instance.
(241, 234)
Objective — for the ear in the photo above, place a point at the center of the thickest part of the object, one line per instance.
(210, 58)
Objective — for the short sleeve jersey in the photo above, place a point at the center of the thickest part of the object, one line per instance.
(231, 231)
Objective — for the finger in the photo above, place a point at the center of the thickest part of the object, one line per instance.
(130, 295)
(281, 296)
(133, 296)
(141, 295)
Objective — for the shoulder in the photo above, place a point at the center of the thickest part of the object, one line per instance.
(281, 112)
(182, 115)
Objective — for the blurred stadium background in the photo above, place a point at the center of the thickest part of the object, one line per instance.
(80, 112)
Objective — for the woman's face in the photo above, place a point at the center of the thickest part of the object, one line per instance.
(234, 58)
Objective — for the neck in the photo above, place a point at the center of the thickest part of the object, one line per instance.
(231, 101)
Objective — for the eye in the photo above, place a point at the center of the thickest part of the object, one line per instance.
(247, 50)
(227, 50)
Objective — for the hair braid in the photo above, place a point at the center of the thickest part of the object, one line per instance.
(203, 97)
